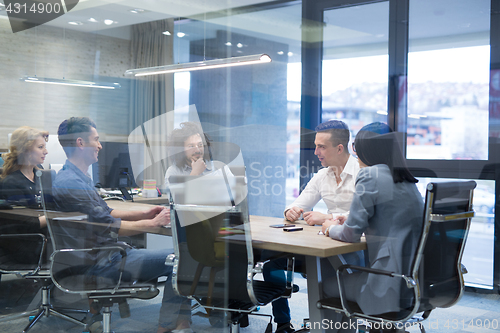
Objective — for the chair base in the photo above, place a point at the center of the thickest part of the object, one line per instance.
(46, 310)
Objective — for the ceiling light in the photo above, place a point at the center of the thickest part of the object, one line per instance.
(109, 22)
(382, 112)
(239, 45)
(281, 52)
(229, 44)
(290, 54)
(93, 20)
(199, 65)
(75, 23)
(181, 34)
(166, 33)
(76, 83)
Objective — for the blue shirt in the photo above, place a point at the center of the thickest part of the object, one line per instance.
(74, 192)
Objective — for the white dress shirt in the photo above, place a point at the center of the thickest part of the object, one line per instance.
(323, 185)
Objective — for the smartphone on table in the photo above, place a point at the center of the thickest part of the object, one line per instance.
(282, 225)
(290, 229)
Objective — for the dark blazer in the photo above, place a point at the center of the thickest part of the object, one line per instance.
(19, 190)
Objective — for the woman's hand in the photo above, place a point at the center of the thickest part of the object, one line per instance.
(328, 223)
(341, 218)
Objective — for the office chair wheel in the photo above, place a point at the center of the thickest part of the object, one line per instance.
(95, 327)
(95, 324)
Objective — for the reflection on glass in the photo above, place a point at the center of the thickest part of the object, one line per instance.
(448, 79)
(478, 253)
(355, 64)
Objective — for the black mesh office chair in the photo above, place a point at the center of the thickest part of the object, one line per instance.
(24, 254)
(70, 265)
(34, 269)
(436, 277)
(213, 260)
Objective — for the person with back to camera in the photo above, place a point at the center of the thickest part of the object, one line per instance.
(388, 208)
(20, 187)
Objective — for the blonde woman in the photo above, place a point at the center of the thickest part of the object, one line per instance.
(27, 153)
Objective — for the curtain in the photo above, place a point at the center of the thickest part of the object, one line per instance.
(152, 96)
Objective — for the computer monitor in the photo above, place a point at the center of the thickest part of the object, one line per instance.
(113, 170)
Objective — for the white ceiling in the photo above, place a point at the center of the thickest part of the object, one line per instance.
(359, 25)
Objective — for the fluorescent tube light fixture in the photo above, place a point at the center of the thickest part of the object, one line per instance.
(76, 83)
(199, 65)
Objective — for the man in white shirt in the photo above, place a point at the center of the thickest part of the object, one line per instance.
(335, 184)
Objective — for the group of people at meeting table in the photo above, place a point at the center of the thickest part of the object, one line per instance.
(373, 194)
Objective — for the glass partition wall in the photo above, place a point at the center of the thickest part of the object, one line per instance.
(254, 107)
(428, 68)
(424, 68)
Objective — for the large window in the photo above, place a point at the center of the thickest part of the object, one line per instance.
(355, 64)
(448, 79)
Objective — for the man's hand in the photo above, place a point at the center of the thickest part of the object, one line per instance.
(314, 218)
(198, 166)
(162, 219)
(151, 213)
(293, 214)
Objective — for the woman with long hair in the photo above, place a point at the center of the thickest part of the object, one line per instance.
(27, 153)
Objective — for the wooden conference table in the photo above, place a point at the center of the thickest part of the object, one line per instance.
(306, 242)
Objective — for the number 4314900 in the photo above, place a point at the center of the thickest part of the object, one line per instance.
(40, 8)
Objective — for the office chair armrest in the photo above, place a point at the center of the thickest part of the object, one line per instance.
(35, 269)
(55, 275)
(170, 259)
(410, 282)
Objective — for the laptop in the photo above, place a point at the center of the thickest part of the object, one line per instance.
(201, 197)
